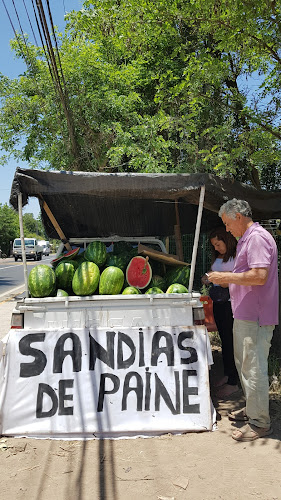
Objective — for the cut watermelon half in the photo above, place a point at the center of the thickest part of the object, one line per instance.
(70, 255)
(139, 273)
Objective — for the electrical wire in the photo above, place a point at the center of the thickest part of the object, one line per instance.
(16, 34)
(30, 22)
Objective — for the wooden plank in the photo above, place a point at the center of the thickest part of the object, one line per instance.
(165, 258)
(56, 225)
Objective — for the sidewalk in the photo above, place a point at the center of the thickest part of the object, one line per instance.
(6, 309)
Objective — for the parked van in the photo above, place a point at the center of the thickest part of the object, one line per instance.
(46, 246)
(32, 249)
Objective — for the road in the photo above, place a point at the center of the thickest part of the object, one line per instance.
(12, 275)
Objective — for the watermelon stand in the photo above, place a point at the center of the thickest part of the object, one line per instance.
(111, 366)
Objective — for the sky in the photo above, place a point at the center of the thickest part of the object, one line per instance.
(12, 67)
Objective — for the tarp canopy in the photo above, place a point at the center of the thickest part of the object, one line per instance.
(103, 205)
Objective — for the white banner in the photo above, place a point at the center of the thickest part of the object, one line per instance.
(105, 382)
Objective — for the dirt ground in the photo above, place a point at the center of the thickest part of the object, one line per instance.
(197, 466)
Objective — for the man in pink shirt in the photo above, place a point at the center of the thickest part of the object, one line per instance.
(253, 287)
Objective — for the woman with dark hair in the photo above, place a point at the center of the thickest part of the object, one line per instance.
(223, 253)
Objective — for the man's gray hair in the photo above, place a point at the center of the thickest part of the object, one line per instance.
(234, 206)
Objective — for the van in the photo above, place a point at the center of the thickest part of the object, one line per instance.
(45, 245)
(32, 249)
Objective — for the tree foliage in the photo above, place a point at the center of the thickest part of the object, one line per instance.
(10, 229)
(154, 86)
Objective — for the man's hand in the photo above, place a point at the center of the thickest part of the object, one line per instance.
(253, 277)
(219, 278)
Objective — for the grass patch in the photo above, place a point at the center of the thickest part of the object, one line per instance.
(215, 339)
(274, 372)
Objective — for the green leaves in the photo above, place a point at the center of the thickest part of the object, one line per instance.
(153, 86)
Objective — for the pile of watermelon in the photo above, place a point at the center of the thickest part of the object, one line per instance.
(97, 271)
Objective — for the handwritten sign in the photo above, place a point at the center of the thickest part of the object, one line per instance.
(105, 382)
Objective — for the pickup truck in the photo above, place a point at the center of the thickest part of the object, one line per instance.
(114, 365)
(32, 249)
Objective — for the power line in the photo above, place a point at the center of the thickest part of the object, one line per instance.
(30, 23)
(15, 33)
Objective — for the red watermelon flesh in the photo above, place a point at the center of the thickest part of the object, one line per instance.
(138, 273)
(70, 255)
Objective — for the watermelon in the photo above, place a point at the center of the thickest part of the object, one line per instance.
(157, 267)
(79, 259)
(71, 254)
(86, 279)
(158, 281)
(111, 281)
(117, 260)
(68, 260)
(131, 290)
(154, 290)
(41, 281)
(177, 288)
(178, 274)
(138, 272)
(122, 247)
(61, 293)
(96, 252)
(64, 275)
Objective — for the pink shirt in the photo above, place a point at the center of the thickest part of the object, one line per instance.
(256, 248)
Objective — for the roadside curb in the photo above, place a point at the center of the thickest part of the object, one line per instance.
(5, 297)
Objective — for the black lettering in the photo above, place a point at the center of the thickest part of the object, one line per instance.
(116, 384)
(193, 357)
(160, 390)
(121, 362)
(156, 350)
(38, 365)
(147, 390)
(63, 385)
(99, 352)
(188, 391)
(46, 389)
(138, 390)
(75, 353)
(141, 354)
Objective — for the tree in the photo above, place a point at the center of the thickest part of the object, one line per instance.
(9, 227)
(152, 86)
(32, 227)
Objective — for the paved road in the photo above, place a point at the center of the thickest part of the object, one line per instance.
(12, 275)
(12, 288)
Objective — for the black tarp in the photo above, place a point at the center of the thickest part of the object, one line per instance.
(102, 205)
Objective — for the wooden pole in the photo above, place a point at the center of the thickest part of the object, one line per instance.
(177, 230)
(56, 225)
(23, 245)
(196, 238)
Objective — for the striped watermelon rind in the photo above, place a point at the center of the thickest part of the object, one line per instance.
(158, 281)
(177, 288)
(96, 252)
(67, 255)
(86, 279)
(131, 290)
(117, 260)
(154, 290)
(111, 281)
(64, 275)
(178, 274)
(41, 281)
(61, 293)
